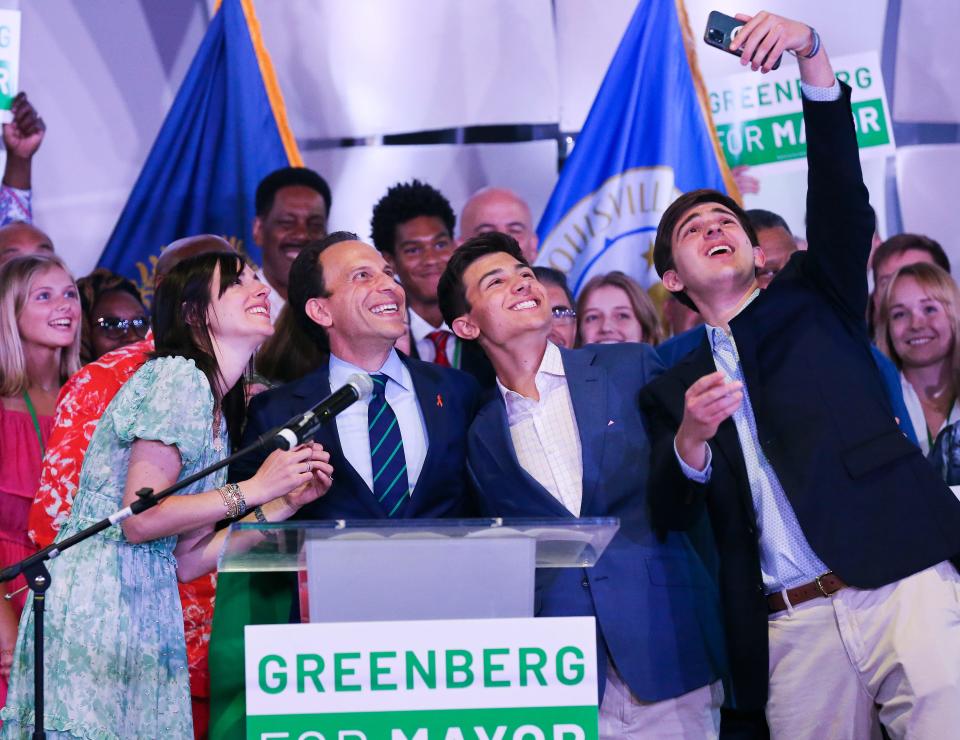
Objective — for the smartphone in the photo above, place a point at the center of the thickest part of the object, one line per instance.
(722, 29)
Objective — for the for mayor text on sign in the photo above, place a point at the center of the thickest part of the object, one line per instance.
(761, 122)
(489, 679)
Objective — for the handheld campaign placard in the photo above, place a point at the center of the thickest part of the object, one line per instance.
(759, 120)
(9, 59)
(511, 679)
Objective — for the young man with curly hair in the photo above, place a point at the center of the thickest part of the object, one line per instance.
(412, 226)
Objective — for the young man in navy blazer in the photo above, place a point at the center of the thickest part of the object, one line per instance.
(344, 288)
(563, 438)
(834, 533)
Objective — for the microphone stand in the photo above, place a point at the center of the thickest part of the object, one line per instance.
(38, 577)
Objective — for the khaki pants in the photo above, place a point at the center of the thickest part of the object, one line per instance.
(832, 660)
(692, 716)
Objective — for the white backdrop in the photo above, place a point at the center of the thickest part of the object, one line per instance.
(103, 73)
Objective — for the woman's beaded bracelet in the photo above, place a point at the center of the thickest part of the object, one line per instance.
(233, 500)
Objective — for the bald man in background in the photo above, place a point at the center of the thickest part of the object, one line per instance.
(20, 237)
(499, 209)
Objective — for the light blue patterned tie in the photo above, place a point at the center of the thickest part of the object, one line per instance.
(390, 485)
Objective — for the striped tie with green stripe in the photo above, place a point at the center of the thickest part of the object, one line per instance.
(390, 484)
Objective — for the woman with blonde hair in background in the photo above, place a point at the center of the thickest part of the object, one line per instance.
(918, 322)
(614, 308)
(39, 350)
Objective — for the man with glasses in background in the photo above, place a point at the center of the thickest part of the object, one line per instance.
(564, 330)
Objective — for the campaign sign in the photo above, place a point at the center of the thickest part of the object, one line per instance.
(759, 118)
(468, 679)
(9, 57)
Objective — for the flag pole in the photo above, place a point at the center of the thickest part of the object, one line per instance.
(689, 45)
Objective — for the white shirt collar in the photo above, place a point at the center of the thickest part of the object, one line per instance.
(393, 368)
(714, 331)
(551, 364)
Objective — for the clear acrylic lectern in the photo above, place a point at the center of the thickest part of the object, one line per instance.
(368, 570)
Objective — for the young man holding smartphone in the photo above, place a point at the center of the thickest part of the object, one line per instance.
(834, 533)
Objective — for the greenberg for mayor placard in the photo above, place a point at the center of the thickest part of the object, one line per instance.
(759, 119)
(488, 679)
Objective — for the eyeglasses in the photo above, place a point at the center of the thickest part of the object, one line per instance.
(563, 315)
(115, 327)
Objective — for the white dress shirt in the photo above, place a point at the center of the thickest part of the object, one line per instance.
(352, 424)
(544, 433)
(786, 558)
(426, 350)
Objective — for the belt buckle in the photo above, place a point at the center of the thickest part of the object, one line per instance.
(820, 586)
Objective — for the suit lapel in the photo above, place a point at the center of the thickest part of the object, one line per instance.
(587, 384)
(429, 400)
(743, 329)
(312, 393)
(499, 445)
(697, 364)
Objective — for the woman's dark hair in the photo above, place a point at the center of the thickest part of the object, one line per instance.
(91, 289)
(179, 316)
(291, 352)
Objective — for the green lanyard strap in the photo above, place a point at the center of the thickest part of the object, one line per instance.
(456, 352)
(36, 422)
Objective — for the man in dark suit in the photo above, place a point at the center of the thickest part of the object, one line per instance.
(345, 289)
(399, 454)
(412, 226)
(562, 439)
(833, 531)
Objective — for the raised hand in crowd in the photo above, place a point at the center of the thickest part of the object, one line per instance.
(22, 138)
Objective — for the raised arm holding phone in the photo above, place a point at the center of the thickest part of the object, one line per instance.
(834, 533)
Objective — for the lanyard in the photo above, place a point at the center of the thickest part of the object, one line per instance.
(36, 421)
(456, 352)
(946, 423)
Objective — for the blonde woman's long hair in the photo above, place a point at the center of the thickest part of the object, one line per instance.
(15, 278)
(940, 286)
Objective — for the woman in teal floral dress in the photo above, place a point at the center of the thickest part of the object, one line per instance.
(115, 656)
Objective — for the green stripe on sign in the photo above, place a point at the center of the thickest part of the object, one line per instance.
(524, 723)
(781, 138)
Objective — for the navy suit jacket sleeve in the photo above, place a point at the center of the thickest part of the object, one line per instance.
(839, 229)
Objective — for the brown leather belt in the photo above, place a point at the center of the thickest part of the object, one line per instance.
(820, 587)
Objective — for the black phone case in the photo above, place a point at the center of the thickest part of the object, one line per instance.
(719, 23)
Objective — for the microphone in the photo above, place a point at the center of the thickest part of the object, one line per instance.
(299, 429)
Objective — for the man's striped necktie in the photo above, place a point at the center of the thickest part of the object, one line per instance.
(390, 485)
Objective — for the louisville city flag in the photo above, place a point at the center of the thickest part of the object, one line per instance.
(647, 139)
(226, 130)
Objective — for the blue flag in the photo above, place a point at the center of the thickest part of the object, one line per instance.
(225, 131)
(647, 138)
